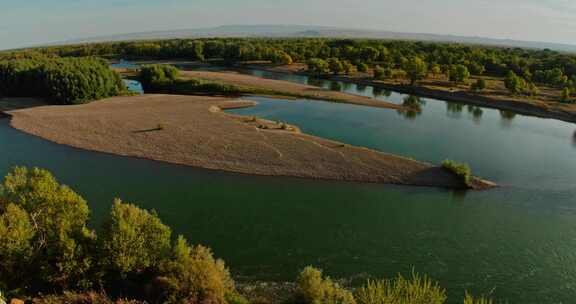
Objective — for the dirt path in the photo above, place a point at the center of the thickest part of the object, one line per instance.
(192, 130)
(249, 81)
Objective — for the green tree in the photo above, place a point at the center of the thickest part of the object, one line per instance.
(318, 66)
(416, 69)
(16, 237)
(314, 288)
(335, 66)
(362, 67)
(514, 83)
(133, 240)
(193, 275)
(459, 73)
(436, 70)
(61, 241)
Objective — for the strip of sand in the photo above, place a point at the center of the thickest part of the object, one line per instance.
(308, 91)
(192, 130)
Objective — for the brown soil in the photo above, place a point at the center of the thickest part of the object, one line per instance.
(192, 130)
(248, 81)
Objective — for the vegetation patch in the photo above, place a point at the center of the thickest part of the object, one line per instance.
(461, 170)
(59, 80)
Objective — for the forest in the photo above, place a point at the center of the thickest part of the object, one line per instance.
(58, 80)
(524, 69)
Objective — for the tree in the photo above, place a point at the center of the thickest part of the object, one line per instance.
(318, 66)
(416, 69)
(314, 288)
(514, 83)
(155, 74)
(335, 66)
(133, 240)
(16, 237)
(362, 67)
(192, 275)
(459, 73)
(436, 70)
(60, 239)
(347, 67)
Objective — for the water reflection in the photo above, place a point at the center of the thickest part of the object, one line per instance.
(379, 92)
(361, 88)
(506, 118)
(454, 109)
(412, 107)
(335, 86)
(476, 113)
(316, 82)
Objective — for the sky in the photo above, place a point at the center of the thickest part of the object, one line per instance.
(33, 22)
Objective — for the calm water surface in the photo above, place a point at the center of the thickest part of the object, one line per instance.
(517, 243)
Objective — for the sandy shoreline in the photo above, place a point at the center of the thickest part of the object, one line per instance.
(192, 130)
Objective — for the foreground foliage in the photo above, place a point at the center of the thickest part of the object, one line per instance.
(47, 248)
(416, 290)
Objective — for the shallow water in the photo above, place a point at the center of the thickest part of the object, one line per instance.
(517, 243)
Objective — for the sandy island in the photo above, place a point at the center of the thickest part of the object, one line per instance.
(192, 130)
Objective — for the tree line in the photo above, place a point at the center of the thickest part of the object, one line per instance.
(389, 59)
(58, 80)
(48, 248)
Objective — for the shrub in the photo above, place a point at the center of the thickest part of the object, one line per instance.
(468, 299)
(362, 67)
(313, 288)
(153, 75)
(133, 239)
(459, 169)
(417, 290)
(192, 275)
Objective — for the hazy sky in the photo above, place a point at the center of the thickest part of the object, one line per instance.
(28, 22)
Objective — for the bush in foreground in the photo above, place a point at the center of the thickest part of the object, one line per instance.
(416, 290)
(314, 288)
(461, 170)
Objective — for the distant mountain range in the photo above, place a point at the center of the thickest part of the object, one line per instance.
(316, 31)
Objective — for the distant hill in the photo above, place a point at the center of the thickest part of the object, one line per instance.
(316, 31)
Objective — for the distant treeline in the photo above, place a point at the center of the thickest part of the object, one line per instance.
(541, 66)
(58, 80)
(49, 248)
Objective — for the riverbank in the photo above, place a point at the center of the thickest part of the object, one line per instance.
(439, 89)
(192, 130)
(269, 87)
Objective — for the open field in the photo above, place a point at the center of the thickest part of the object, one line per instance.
(193, 131)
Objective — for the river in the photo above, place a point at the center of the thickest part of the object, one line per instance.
(516, 243)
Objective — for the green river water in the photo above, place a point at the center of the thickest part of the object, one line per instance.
(516, 243)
